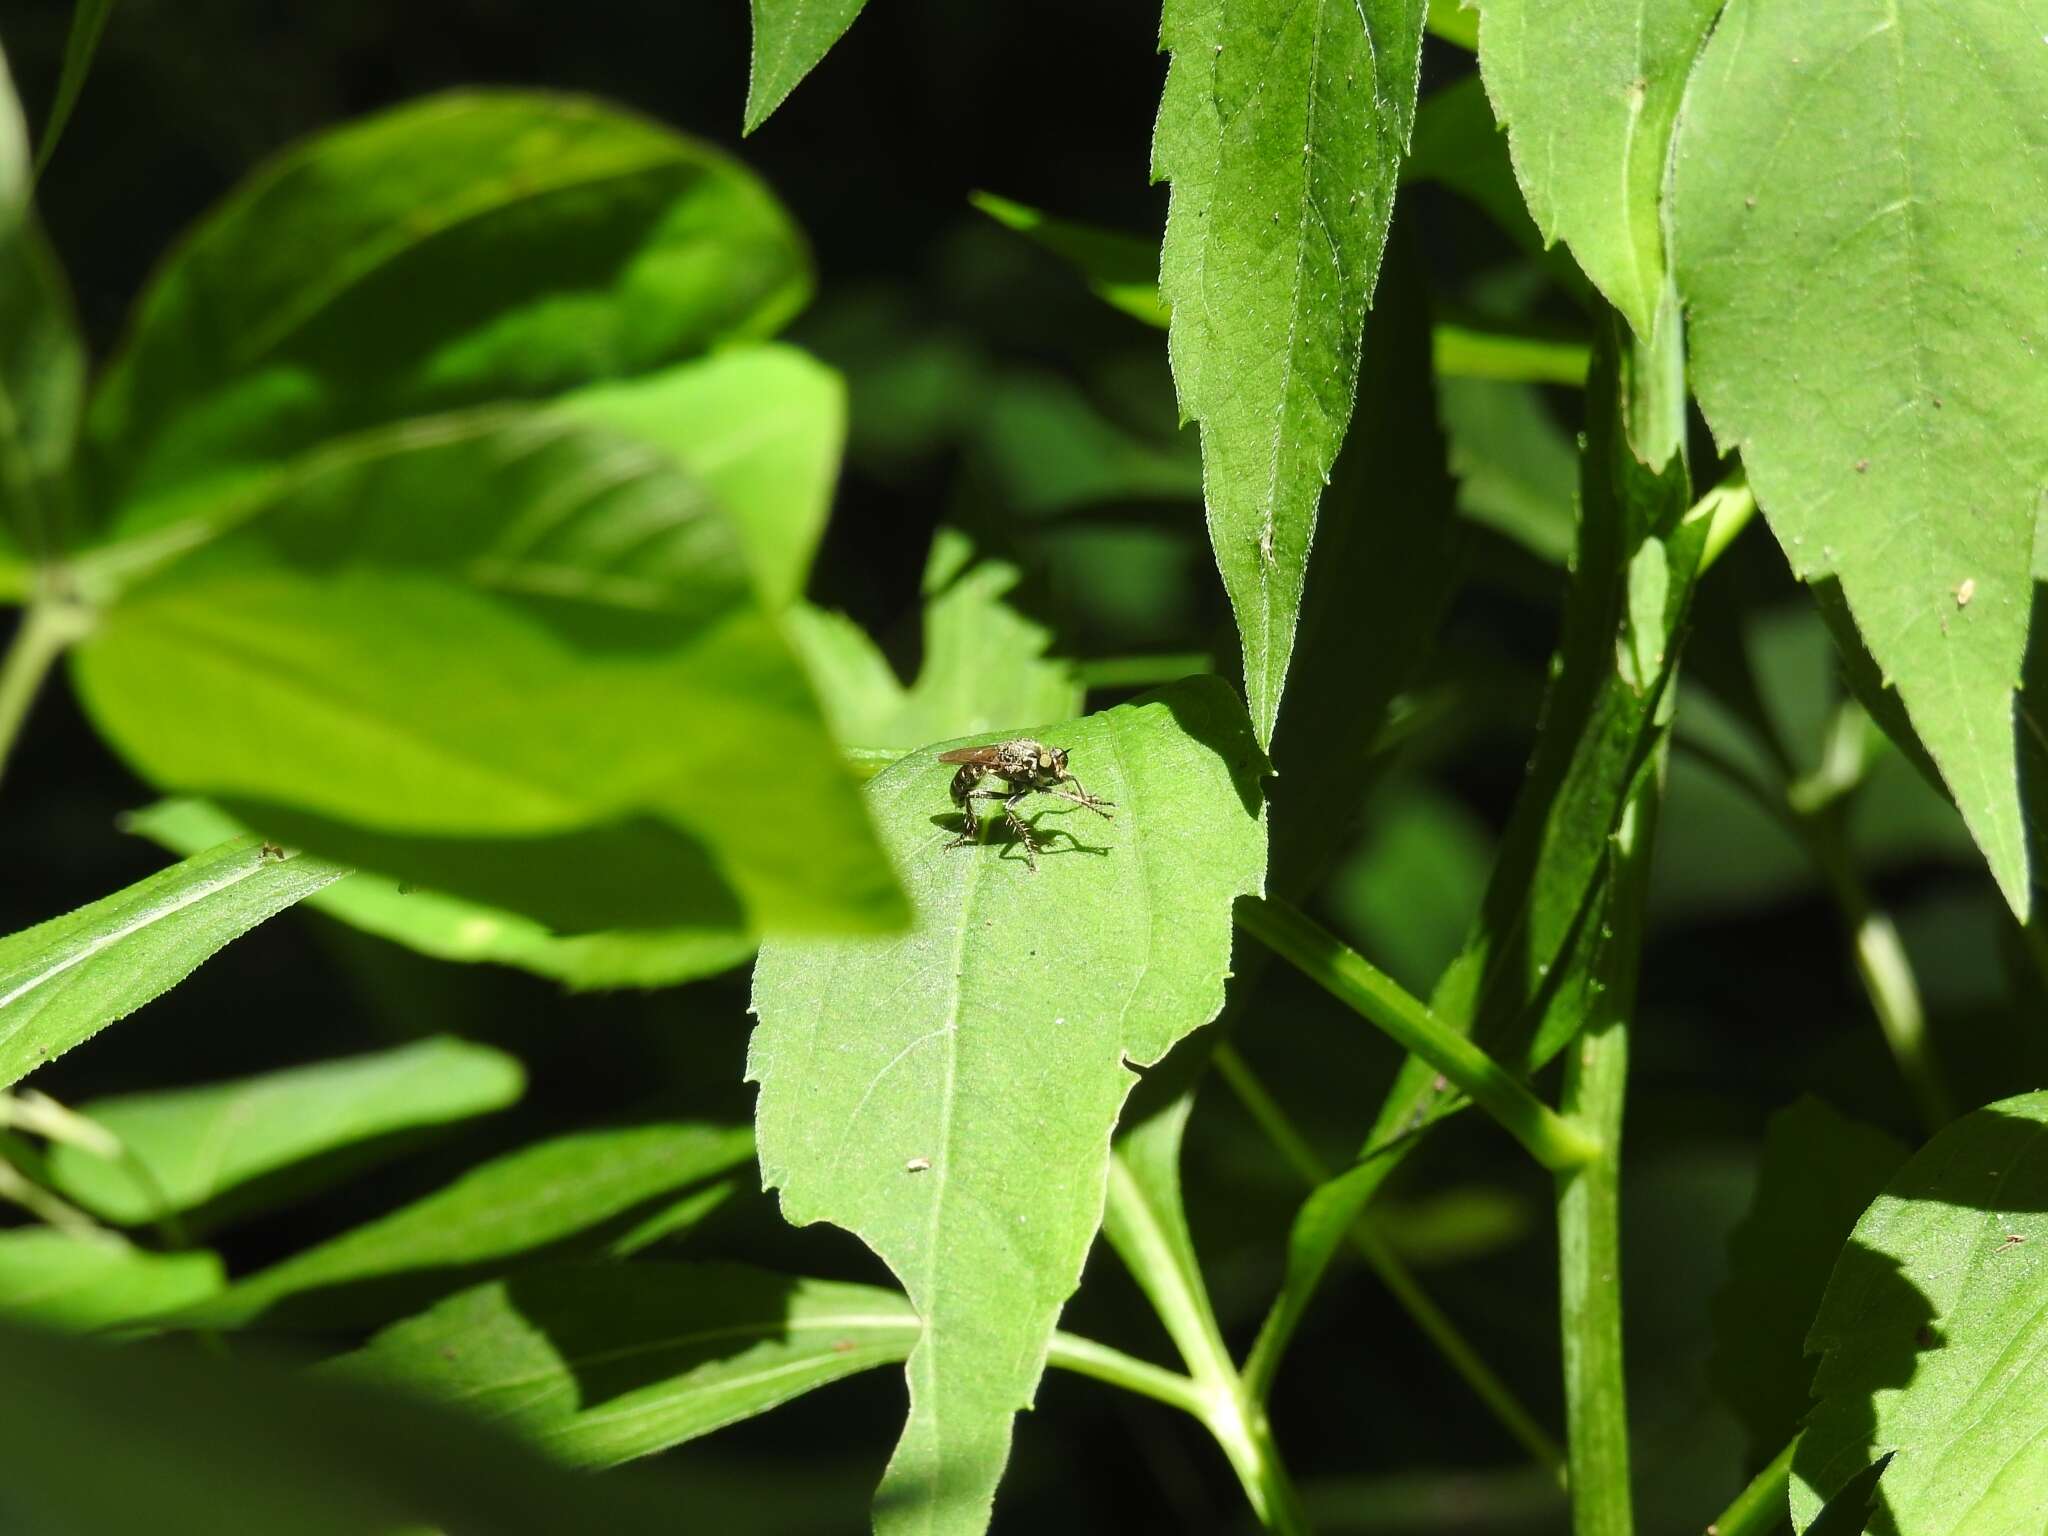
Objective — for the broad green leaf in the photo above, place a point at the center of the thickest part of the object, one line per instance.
(63, 981)
(790, 36)
(514, 895)
(908, 1091)
(207, 1444)
(1282, 130)
(1858, 196)
(88, 20)
(524, 1203)
(488, 629)
(761, 429)
(600, 1363)
(1516, 470)
(1122, 269)
(1928, 1333)
(466, 248)
(82, 1281)
(195, 1150)
(1819, 1170)
(1589, 92)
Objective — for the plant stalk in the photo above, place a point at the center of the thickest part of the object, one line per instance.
(1554, 1141)
(1760, 1508)
(1085, 1357)
(46, 628)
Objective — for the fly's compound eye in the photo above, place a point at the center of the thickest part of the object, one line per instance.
(1047, 761)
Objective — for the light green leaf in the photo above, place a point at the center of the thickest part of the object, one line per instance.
(82, 1281)
(908, 1087)
(761, 429)
(1454, 23)
(1589, 91)
(600, 1363)
(211, 1444)
(1517, 472)
(462, 249)
(519, 890)
(65, 980)
(194, 1149)
(1858, 209)
(1122, 269)
(521, 1204)
(16, 175)
(1282, 130)
(790, 36)
(88, 20)
(1926, 1335)
(485, 630)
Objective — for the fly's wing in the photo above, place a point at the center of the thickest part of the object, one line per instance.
(981, 757)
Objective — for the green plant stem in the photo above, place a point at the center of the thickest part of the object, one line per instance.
(1085, 1357)
(1436, 1326)
(46, 628)
(1164, 1270)
(1554, 1141)
(1760, 1508)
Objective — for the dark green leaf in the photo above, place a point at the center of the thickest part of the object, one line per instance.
(905, 1085)
(88, 20)
(1282, 130)
(1122, 269)
(1516, 470)
(82, 1281)
(64, 981)
(790, 36)
(522, 1204)
(192, 1148)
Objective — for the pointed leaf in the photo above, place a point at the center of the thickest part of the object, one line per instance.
(1589, 92)
(790, 36)
(600, 1363)
(1929, 1334)
(188, 1148)
(88, 20)
(1858, 196)
(64, 981)
(82, 1281)
(949, 1096)
(1282, 130)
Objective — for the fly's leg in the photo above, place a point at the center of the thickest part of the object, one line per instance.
(964, 796)
(1021, 827)
(1081, 796)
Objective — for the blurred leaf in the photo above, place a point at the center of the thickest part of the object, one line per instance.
(1517, 471)
(904, 1084)
(761, 429)
(1902, 456)
(194, 1148)
(208, 1445)
(600, 1363)
(466, 248)
(88, 20)
(1407, 893)
(1819, 1170)
(82, 1281)
(17, 177)
(1122, 269)
(516, 1206)
(1454, 1226)
(1050, 450)
(1468, 352)
(1282, 130)
(1458, 145)
(570, 642)
(1454, 23)
(1925, 1334)
(63, 981)
(1589, 91)
(523, 886)
(790, 37)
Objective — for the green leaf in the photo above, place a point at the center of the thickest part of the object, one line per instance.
(16, 176)
(208, 1444)
(516, 892)
(790, 37)
(1819, 1170)
(905, 1088)
(1927, 1333)
(63, 981)
(1516, 470)
(522, 1204)
(462, 249)
(761, 429)
(1122, 269)
(1458, 144)
(1857, 196)
(199, 1149)
(600, 1363)
(82, 1281)
(1282, 130)
(1589, 92)
(568, 642)
(1449, 20)
(88, 20)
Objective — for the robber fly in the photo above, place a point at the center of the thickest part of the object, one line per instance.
(1023, 767)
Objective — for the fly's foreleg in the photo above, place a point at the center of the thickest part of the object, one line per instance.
(1081, 796)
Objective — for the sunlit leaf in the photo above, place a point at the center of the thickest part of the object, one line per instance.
(82, 1281)
(949, 1096)
(1282, 130)
(1926, 1332)
(191, 1148)
(63, 981)
(1858, 196)
(790, 36)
